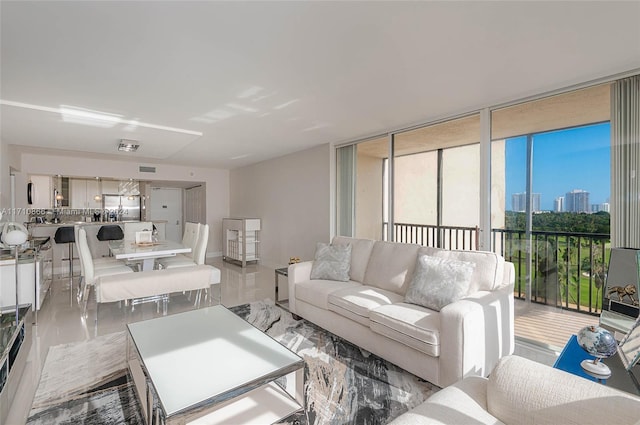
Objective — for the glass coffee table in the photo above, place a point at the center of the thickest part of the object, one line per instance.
(211, 367)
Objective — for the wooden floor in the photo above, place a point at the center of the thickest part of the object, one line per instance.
(548, 326)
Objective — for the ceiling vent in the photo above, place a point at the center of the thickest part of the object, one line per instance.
(144, 169)
(128, 145)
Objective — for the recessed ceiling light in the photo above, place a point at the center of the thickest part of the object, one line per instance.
(128, 145)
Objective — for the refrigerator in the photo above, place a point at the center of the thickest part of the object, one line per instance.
(121, 207)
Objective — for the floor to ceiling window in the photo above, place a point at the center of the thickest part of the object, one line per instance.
(427, 193)
(436, 184)
(550, 178)
(360, 188)
(556, 180)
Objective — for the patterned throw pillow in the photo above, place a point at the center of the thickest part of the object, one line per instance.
(438, 281)
(332, 262)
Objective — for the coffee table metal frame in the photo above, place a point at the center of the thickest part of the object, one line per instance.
(217, 323)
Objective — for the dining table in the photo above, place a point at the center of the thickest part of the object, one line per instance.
(146, 252)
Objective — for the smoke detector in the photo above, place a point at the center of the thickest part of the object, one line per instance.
(128, 145)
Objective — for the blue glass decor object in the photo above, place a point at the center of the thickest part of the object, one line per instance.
(601, 344)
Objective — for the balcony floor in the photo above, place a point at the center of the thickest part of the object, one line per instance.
(548, 326)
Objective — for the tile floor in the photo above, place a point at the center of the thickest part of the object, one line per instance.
(60, 322)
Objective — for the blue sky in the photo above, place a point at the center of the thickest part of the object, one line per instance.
(563, 160)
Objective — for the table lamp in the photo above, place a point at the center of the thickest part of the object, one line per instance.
(14, 235)
(601, 344)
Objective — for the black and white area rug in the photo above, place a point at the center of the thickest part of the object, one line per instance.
(343, 383)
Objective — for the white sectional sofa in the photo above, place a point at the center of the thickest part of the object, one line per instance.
(520, 391)
(466, 337)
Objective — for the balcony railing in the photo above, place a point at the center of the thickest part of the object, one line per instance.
(568, 270)
(448, 237)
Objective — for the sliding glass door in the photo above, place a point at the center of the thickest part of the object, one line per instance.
(436, 184)
(418, 186)
(557, 184)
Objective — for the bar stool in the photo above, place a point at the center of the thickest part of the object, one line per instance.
(66, 235)
(110, 233)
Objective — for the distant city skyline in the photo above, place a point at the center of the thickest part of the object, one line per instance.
(519, 202)
(563, 161)
(578, 201)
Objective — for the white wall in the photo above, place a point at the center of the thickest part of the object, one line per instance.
(4, 176)
(9, 160)
(291, 195)
(216, 182)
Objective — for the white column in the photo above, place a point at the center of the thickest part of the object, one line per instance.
(484, 240)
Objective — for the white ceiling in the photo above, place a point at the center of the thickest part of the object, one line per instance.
(262, 79)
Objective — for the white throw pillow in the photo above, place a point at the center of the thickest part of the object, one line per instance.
(438, 281)
(331, 262)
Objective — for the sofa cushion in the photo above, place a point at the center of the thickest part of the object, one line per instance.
(409, 324)
(525, 392)
(360, 253)
(488, 272)
(391, 266)
(355, 303)
(316, 292)
(331, 262)
(438, 281)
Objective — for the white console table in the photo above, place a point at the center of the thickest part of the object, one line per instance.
(33, 281)
(241, 240)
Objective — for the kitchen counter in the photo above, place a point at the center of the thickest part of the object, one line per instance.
(88, 223)
(98, 248)
(7, 256)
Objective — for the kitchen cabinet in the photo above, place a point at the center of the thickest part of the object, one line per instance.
(110, 187)
(83, 192)
(30, 277)
(57, 252)
(41, 192)
(241, 240)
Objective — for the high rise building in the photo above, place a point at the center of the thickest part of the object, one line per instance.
(577, 201)
(600, 207)
(519, 202)
(558, 204)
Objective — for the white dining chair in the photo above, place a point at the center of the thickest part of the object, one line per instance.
(90, 271)
(199, 252)
(190, 237)
(199, 256)
(98, 263)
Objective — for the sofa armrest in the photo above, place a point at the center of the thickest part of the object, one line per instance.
(475, 332)
(522, 391)
(299, 272)
(464, 402)
(509, 275)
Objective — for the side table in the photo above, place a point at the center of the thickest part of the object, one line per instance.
(282, 295)
(571, 356)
